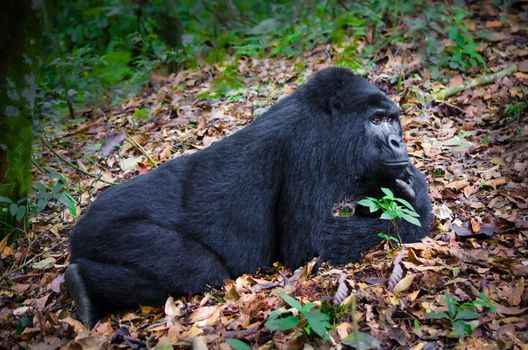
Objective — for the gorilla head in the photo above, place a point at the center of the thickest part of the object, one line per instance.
(363, 123)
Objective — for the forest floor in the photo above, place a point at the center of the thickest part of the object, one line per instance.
(472, 147)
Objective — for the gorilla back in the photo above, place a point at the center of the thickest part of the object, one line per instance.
(262, 195)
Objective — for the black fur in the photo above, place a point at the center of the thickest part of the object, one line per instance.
(262, 195)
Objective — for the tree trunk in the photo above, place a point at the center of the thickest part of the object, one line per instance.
(18, 67)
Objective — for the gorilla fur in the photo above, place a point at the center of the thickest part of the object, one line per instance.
(261, 195)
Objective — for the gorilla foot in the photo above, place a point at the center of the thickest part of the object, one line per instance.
(77, 289)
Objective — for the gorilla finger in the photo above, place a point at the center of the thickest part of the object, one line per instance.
(406, 188)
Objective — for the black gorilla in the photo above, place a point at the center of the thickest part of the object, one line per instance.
(262, 195)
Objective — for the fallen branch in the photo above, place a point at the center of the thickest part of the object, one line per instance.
(480, 80)
(75, 167)
(140, 148)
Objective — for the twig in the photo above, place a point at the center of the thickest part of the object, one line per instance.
(480, 80)
(141, 149)
(75, 167)
(41, 169)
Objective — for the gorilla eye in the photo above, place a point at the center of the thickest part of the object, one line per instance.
(376, 119)
(392, 119)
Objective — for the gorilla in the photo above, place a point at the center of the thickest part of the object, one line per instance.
(263, 194)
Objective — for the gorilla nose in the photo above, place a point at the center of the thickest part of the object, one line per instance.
(395, 142)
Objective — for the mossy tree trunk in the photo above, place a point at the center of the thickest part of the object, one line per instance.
(18, 68)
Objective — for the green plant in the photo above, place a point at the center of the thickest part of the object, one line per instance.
(389, 238)
(514, 110)
(463, 48)
(442, 21)
(236, 344)
(391, 211)
(42, 195)
(463, 317)
(306, 319)
(17, 209)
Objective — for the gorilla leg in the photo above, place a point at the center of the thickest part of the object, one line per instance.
(140, 270)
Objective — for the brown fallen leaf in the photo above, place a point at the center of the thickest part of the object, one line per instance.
(519, 270)
(514, 310)
(397, 271)
(78, 327)
(458, 184)
(515, 297)
(202, 313)
(523, 66)
(403, 284)
(497, 182)
(469, 190)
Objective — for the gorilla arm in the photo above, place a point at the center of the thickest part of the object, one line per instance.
(344, 239)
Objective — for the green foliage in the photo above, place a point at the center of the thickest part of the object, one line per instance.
(388, 238)
(362, 341)
(236, 344)
(42, 195)
(103, 50)
(463, 317)
(142, 113)
(16, 209)
(307, 319)
(463, 48)
(390, 208)
(514, 110)
(440, 22)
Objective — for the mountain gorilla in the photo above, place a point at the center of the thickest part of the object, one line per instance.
(262, 195)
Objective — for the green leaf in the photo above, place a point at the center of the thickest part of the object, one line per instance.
(291, 301)
(404, 202)
(451, 304)
(68, 201)
(142, 113)
(383, 235)
(416, 324)
(13, 209)
(20, 213)
(361, 341)
(467, 315)
(388, 215)
(387, 192)
(459, 328)
(5, 200)
(236, 344)
(307, 307)
(412, 220)
(438, 315)
(320, 322)
(410, 212)
(281, 324)
(54, 174)
(371, 203)
(394, 239)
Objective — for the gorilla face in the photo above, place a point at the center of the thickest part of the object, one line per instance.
(373, 120)
(384, 134)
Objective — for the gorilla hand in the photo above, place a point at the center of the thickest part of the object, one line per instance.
(405, 184)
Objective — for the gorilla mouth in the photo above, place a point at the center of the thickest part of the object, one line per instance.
(396, 164)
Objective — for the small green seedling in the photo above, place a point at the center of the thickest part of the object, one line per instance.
(391, 210)
(389, 238)
(463, 317)
(307, 319)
